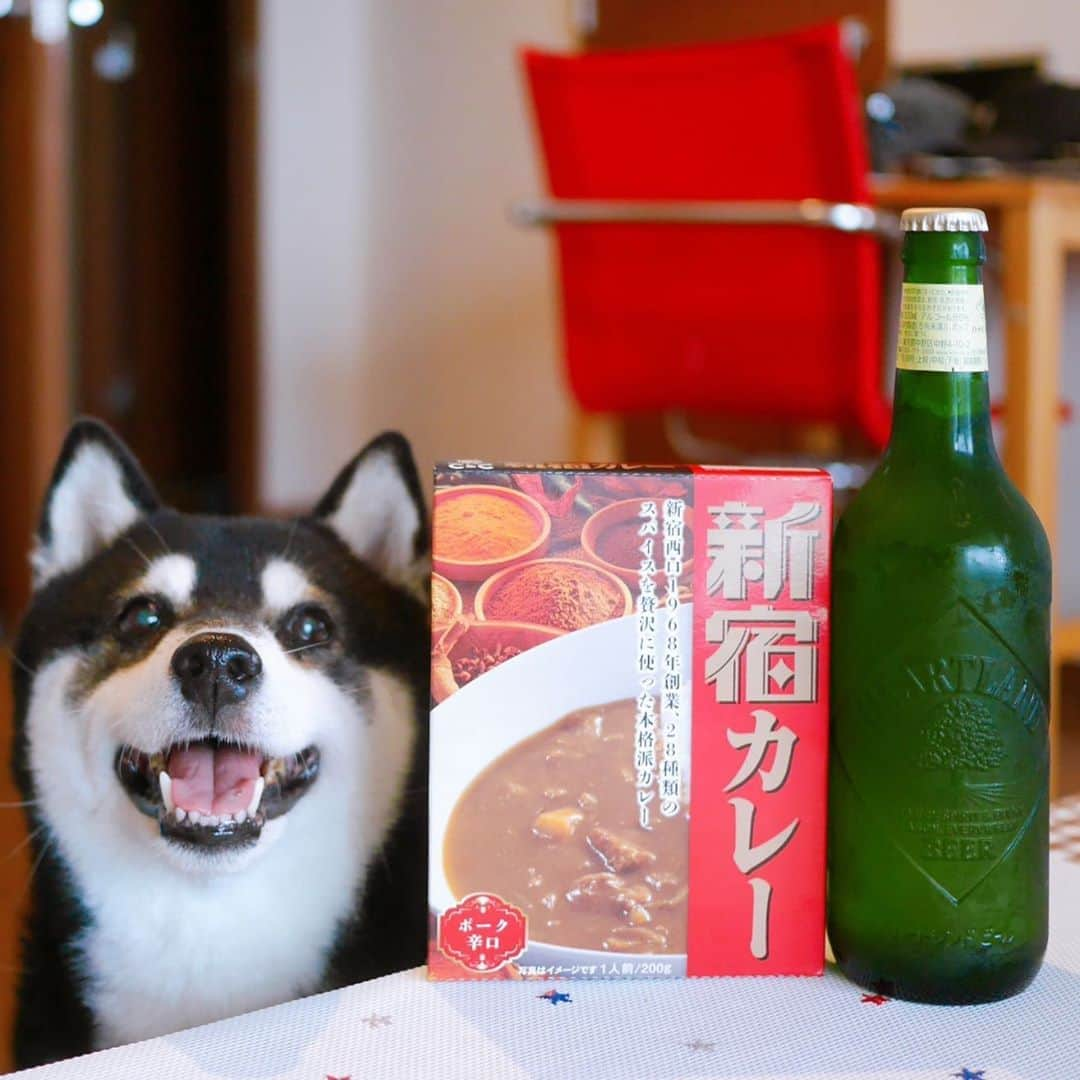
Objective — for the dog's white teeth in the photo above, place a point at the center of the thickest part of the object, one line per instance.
(256, 796)
(181, 813)
(194, 817)
(240, 816)
(165, 780)
(212, 820)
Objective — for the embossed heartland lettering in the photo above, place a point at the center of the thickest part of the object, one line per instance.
(959, 850)
(949, 937)
(993, 676)
(992, 822)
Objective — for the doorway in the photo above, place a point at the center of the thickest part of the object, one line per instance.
(127, 283)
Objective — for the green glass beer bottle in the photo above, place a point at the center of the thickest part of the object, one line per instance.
(938, 801)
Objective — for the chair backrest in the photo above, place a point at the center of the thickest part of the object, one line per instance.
(776, 322)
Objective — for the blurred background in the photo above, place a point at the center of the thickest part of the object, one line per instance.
(250, 234)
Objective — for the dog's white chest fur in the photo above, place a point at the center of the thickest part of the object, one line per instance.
(166, 953)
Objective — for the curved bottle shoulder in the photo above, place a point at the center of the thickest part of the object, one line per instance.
(939, 510)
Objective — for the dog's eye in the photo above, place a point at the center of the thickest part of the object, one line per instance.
(141, 617)
(306, 627)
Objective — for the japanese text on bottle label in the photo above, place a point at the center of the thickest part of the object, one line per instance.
(942, 328)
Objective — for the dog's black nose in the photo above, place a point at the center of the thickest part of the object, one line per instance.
(216, 670)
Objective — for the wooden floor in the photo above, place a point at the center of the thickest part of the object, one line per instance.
(15, 864)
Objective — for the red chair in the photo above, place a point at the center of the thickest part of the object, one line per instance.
(774, 316)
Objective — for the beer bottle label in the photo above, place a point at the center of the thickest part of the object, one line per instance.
(942, 328)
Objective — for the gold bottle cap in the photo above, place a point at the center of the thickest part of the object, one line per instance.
(943, 219)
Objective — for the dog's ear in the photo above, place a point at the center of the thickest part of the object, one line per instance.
(376, 508)
(97, 492)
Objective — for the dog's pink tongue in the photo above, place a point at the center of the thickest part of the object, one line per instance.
(213, 781)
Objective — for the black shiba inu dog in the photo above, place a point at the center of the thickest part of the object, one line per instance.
(221, 736)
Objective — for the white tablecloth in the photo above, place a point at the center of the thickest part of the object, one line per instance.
(405, 1027)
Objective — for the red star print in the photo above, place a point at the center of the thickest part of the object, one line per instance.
(329, 1077)
(874, 999)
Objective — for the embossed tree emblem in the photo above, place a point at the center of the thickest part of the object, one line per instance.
(962, 736)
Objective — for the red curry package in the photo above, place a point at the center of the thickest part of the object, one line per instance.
(629, 679)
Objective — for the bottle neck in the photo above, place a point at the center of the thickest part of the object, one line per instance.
(941, 403)
(941, 415)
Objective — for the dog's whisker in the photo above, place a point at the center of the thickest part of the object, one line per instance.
(108, 504)
(301, 648)
(361, 693)
(161, 539)
(18, 805)
(37, 865)
(138, 551)
(23, 842)
(32, 672)
(289, 538)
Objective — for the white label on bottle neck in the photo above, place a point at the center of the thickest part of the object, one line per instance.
(942, 328)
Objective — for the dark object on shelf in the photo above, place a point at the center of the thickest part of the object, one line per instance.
(1035, 121)
(980, 80)
(916, 116)
(974, 121)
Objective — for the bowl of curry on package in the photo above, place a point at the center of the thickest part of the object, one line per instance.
(640, 792)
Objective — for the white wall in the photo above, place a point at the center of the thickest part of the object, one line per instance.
(926, 30)
(394, 293)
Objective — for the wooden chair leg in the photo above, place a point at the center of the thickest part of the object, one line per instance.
(596, 438)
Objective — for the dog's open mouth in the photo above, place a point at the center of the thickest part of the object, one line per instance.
(214, 794)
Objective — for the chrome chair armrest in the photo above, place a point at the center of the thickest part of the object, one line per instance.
(813, 213)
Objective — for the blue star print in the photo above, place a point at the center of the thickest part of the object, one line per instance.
(971, 1074)
(555, 996)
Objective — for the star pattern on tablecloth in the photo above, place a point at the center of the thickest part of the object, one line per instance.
(971, 1074)
(376, 1021)
(700, 1044)
(555, 997)
(329, 1077)
(874, 999)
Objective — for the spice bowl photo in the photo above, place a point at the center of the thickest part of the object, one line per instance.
(568, 594)
(611, 539)
(446, 603)
(481, 529)
(470, 649)
(533, 801)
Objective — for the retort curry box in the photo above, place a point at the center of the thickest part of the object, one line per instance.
(629, 723)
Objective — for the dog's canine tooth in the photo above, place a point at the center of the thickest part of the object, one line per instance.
(240, 816)
(273, 769)
(256, 796)
(181, 813)
(165, 782)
